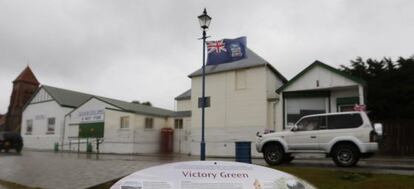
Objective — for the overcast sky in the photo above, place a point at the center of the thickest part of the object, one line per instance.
(144, 50)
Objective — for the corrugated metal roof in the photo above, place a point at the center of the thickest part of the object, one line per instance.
(252, 60)
(182, 114)
(67, 97)
(137, 108)
(184, 96)
(74, 99)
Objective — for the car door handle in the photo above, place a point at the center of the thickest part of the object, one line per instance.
(313, 136)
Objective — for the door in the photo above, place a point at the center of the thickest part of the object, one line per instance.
(305, 137)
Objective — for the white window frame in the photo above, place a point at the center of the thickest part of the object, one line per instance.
(149, 123)
(124, 122)
(27, 126)
(178, 123)
(50, 129)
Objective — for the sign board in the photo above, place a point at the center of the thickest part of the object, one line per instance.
(91, 116)
(210, 175)
(91, 130)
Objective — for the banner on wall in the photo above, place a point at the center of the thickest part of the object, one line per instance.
(91, 116)
(211, 175)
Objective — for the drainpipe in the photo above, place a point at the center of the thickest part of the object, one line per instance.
(63, 132)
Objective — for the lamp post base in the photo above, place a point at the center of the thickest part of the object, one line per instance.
(202, 151)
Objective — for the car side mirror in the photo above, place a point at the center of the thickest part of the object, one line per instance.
(378, 128)
(294, 128)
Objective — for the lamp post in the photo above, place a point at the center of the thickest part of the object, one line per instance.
(204, 20)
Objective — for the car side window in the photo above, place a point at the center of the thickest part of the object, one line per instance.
(308, 124)
(344, 121)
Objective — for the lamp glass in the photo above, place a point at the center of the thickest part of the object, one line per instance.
(204, 20)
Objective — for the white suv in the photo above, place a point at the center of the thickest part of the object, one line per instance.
(345, 137)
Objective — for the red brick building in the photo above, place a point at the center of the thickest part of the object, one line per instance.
(24, 86)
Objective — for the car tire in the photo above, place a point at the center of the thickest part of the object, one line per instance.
(6, 146)
(345, 155)
(288, 158)
(273, 154)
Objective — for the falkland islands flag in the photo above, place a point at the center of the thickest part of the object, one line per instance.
(226, 50)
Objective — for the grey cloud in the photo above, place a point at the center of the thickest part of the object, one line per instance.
(144, 50)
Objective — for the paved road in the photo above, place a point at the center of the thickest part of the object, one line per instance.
(66, 170)
(71, 170)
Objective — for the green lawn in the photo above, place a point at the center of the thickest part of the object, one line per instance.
(333, 179)
(9, 185)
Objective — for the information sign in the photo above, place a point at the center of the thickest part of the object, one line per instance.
(210, 175)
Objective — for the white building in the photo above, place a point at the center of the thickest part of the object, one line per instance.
(57, 115)
(242, 101)
(319, 88)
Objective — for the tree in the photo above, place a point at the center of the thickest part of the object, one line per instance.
(147, 103)
(390, 85)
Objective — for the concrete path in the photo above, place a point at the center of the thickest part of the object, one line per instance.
(66, 170)
(71, 170)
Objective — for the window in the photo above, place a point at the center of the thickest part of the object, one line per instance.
(29, 127)
(308, 124)
(149, 123)
(298, 107)
(346, 104)
(240, 79)
(178, 123)
(344, 121)
(124, 122)
(51, 125)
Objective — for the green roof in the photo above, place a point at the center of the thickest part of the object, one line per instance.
(325, 66)
(75, 99)
(137, 108)
(66, 97)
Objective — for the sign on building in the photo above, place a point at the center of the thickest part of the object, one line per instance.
(91, 116)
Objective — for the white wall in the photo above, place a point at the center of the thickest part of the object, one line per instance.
(236, 114)
(135, 139)
(340, 93)
(326, 78)
(182, 137)
(41, 96)
(39, 113)
(184, 105)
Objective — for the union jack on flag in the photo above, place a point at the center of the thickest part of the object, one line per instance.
(216, 46)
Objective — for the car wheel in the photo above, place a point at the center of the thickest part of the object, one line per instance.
(273, 154)
(345, 155)
(288, 158)
(7, 146)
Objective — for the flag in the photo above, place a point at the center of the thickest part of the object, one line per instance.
(359, 107)
(226, 50)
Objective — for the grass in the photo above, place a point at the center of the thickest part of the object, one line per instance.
(10, 185)
(329, 179)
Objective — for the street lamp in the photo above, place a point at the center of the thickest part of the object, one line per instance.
(204, 20)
